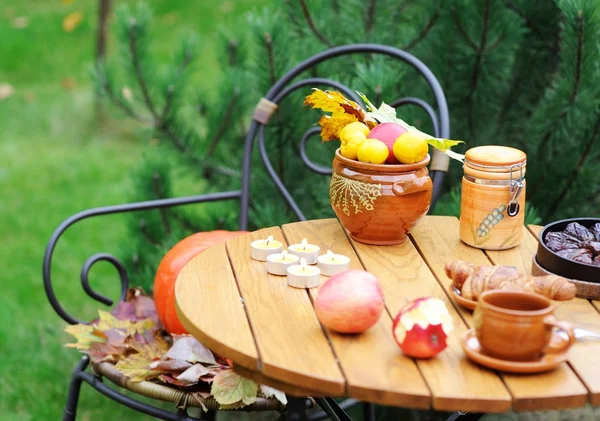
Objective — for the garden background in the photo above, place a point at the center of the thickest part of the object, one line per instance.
(523, 72)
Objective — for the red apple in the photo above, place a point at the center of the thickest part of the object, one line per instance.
(422, 326)
(350, 302)
(387, 133)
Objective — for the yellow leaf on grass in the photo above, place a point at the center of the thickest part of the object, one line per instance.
(72, 21)
(108, 321)
(136, 366)
(86, 335)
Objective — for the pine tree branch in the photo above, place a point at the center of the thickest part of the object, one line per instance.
(576, 83)
(135, 60)
(577, 170)
(477, 66)
(232, 50)
(579, 64)
(188, 225)
(511, 5)
(169, 94)
(160, 194)
(146, 234)
(312, 26)
(335, 4)
(495, 44)
(117, 101)
(370, 17)
(181, 147)
(424, 32)
(462, 31)
(270, 58)
(225, 122)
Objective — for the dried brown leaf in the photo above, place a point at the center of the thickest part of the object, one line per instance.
(187, 348)
(230, 388)
(193, 374)
(136, 366)
(170, 365)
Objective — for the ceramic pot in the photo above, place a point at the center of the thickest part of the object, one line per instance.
(379, 203)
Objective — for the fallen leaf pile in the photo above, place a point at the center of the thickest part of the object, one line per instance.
(131, 338)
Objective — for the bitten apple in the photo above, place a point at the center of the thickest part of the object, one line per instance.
(387, 133)
(422, 326)
(350, 302)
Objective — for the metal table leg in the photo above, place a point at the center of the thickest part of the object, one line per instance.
(465, 416)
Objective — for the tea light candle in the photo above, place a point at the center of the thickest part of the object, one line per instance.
(305, 250)
(278, 263)
(260, 249)
(303, 276)
(332, 263)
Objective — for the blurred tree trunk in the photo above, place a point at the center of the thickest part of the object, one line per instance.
(103, 12)
(101, 35)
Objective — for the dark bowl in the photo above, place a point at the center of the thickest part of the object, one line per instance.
(558, 265)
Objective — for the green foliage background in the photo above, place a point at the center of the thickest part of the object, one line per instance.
(519, 73)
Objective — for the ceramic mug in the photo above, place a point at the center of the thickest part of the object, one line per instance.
(519, 326)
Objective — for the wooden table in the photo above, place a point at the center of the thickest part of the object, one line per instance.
(271, 332)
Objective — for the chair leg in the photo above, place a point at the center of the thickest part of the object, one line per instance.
(296, 409)
(369, 411)
(465, 416)
(70, 411)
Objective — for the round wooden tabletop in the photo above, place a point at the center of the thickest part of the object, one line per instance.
(233, 306)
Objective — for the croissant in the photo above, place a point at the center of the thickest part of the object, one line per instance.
(472, 280)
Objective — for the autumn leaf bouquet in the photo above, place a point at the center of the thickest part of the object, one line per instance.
(131, 338)
(374, 135)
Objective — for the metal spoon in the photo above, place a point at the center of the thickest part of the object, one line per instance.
(582, 335)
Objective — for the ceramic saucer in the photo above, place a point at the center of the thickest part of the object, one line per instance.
(464, 302)
(470, 345)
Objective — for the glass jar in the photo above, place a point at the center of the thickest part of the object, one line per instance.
(492, 206)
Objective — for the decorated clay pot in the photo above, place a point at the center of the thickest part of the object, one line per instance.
(379, 203)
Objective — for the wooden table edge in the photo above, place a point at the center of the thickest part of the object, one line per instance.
(245, 360)
(551, 403)
(446, 403)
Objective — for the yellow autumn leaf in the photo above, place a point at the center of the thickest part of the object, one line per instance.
(333, 102)
(108, 321)
(332, 125)
(86, 335)
(136, 366)
(343, 112)
(72, 21)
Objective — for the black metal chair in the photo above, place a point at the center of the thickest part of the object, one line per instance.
(265, 108)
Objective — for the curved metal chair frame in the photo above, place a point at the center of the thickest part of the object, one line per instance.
(282, 88)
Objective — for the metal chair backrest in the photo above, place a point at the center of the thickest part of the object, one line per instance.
(267, 105)
(286, 85)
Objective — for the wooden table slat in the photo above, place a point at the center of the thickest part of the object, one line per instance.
(374, 367)
(438, 240)
(210, 307)
(291, 343)
(454, 382)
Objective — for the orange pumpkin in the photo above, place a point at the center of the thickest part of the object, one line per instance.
(170, 266)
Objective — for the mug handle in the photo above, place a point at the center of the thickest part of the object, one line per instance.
(564, 344)
(401, 188)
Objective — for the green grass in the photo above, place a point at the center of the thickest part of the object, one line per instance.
(56, 158)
